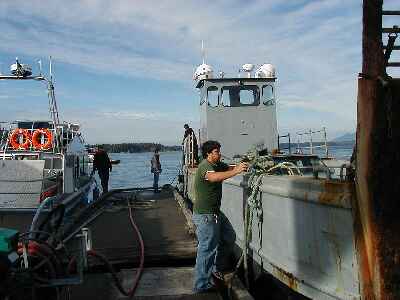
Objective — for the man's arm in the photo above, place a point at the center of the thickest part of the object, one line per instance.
(221, 176)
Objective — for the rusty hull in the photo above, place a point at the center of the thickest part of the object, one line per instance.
(377, 207)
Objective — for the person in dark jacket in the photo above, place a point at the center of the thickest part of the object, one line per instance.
(102, 164)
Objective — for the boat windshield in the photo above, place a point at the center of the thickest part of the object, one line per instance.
(34, 124)
(243, 95)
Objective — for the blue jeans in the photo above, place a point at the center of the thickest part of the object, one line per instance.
(216, 238)
(155, 181)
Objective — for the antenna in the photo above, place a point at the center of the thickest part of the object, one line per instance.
(50, 71)
(203, 52)
(40, 66)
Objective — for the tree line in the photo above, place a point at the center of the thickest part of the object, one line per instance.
(136, 147)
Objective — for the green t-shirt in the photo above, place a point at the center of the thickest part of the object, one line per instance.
(208, 194)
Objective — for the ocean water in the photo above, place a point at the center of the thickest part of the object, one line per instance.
(134, 168)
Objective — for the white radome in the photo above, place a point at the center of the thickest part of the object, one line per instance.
(25, 69)
(248, 67)
(265, 71)
(203, 71)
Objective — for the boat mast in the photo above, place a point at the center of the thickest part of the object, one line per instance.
(53, 106)
(377, 208)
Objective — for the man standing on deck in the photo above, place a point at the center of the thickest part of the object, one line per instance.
(156, 169)
(102, 163)
(214, 232)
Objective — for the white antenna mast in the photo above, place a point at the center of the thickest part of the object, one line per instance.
(40, 66)
(203, 52)
(50, 71)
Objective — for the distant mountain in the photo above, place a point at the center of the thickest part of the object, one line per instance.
(348, 137)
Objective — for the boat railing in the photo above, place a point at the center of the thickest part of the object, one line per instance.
(188, 151)
(63, 132)
(301, 147)
(312, 144)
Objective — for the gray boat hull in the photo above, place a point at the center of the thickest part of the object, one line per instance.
(305, 238)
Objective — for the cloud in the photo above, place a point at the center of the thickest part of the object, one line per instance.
(315, 45)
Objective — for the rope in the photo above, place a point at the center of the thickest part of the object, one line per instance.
(259, 167)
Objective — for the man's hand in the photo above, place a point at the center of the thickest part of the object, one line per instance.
(241, 167)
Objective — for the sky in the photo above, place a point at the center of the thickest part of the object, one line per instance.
(123, 69)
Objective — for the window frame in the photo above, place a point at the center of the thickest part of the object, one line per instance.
(271, 101)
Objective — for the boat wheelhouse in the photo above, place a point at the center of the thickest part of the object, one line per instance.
(291, 214)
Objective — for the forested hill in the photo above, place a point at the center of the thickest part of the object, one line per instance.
(137, 147)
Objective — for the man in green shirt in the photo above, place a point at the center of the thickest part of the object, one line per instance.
(214, 232)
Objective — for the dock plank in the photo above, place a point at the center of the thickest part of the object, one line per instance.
(155, 283)
(162, 226)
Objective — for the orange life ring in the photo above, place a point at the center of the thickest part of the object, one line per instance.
(15, 139)
(37, 139)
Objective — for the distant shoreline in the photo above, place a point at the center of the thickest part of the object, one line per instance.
(136, 147)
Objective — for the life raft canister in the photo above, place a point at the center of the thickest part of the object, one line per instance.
(15, 140)
(37, 139)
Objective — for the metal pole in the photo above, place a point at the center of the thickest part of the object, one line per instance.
(326, 143)
(376, 209)
(311, 144)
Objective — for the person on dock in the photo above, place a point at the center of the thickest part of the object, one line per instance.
(102, 163)
(215, 234)
(189, 132)
(156, 169)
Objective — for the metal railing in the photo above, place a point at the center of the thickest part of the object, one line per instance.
(188, 151)
(392, 36)
(62, 135)
(312, 146)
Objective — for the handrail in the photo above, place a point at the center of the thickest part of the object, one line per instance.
(66, 137)
(188, 151)
(312, 146)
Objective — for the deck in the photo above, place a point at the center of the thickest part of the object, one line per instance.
(170, 249)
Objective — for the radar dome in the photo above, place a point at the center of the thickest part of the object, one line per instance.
(248, 67)
(20, 69)
(265, 71)
(203, 71)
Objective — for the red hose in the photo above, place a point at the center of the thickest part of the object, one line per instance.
(130, 292)
(139, 236)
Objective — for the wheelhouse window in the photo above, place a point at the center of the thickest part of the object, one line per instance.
(212, 96)
(268, 95)
(242, 95)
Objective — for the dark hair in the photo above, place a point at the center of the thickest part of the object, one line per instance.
(208, 147)
(186, 126)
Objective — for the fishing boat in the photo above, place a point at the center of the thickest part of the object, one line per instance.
(292, 212)
(42, 162)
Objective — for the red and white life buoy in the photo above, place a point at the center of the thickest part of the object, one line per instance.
(37, 139)
(15, 139)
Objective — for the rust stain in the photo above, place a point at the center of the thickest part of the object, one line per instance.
(336, 193)
(376, 208)
(286, 278)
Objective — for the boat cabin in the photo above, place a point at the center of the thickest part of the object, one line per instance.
(238, 112)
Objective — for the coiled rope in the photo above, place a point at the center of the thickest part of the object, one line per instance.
(259, 166)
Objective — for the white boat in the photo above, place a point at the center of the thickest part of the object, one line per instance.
(300, 215)
(41, 161)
